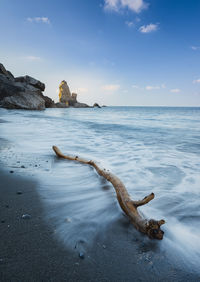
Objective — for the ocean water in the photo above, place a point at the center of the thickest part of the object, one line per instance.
(151, 149)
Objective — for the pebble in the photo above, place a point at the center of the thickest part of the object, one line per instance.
(35, 165)
(18, 162)
(11, 171)
(22, 166)
(26, 216)
(7, 206)
(81, 255)
(68, 219)
(2, 221)
(19, 192)
(104, 246)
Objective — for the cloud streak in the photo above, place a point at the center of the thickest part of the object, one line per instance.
(196, 80)
(175, 90)
(149, 88)
(117, 5)
(195, 48)
(110, 87)
(44, 20)
(129, 23)
(148, 28)
(32, 58)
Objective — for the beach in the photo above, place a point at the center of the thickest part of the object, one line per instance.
(30, 251)
(61, 222)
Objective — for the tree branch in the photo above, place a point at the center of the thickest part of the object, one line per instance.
(150, 227)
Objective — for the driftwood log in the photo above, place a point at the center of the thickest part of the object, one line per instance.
(150, 227)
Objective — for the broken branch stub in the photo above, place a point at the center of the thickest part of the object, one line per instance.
(150, 227)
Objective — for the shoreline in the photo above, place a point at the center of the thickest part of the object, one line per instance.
(31, 252)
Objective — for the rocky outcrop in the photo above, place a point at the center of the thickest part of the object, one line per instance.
(22, 92)
(28, 80)
(96, 105)
(49, 103)
(81, 105)
(66, 99)
(24, 100)
(65, 95)
(25, 92)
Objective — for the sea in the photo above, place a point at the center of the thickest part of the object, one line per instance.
(151, 149)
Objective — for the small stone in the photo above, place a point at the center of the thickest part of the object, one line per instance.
(46, 161)
(26, 216)
(11, 171)
(35, 165)
(81, 255)
(68, 219)
(22, 166)
(2, 221)
(7, 206)
(19, 192)
(76, 263)
(18, 162)
(104, 246)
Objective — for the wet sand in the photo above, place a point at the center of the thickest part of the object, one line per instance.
(31, 252)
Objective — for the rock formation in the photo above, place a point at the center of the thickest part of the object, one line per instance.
(96, 105)
(66, 99)
(22, 92)
(25, 92)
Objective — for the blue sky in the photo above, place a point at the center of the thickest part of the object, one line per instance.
(114, 52)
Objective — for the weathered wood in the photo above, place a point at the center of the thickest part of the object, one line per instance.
(150, 227)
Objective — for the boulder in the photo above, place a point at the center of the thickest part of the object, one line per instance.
(74, 98)
(61, 105)
(96, 105)
(6, 73)
(8, 87)
(28, 80)
(24, 92)
(25, 101)
(80, 105)
(49, 103)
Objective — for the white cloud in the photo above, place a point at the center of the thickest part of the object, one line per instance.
(152, 87)
(196, 81)
(39, 20)
(148, 28)
(32, 58)
(129, 23)
(175, 90)
(111, 87)
(195, 48)
(134, 5)
(135, 86)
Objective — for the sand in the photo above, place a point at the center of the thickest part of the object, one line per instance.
(30, 250)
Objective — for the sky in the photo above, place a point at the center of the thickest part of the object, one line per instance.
(113, 52)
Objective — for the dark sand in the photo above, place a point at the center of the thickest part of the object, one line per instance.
(29, 250)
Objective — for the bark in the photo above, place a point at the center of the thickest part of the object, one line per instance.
(149, 227)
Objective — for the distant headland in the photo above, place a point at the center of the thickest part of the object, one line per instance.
(26, 92)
